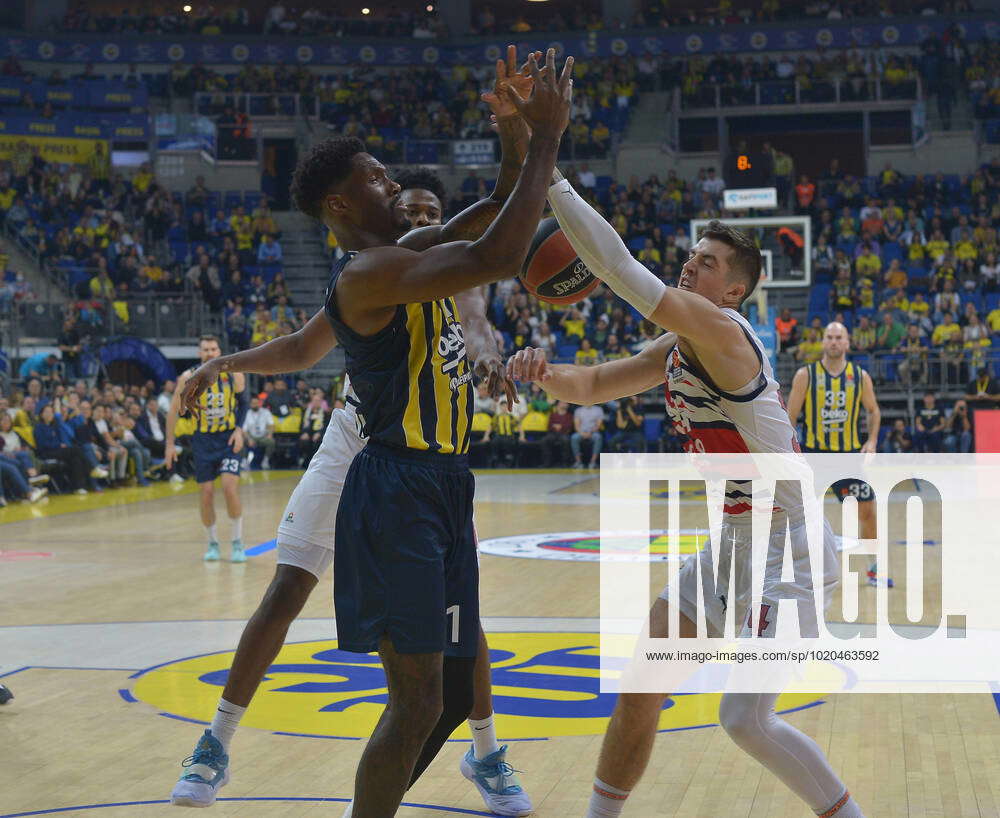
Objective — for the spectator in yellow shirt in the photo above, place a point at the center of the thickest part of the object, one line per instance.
(650, 254)
(572, 324)
(937, 246)
(964, 248)
(586, 355)
(868, 264)
(863, 336)
(153, 270)
(947, 334)
(993, 320)
(895, 276)
(142, 179)
(866, 294)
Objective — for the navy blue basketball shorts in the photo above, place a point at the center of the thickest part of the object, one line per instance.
(405, 565)
(213, 456)
(849, 487)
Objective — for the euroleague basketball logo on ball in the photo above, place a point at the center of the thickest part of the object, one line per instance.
(545, 684)
(552, 270)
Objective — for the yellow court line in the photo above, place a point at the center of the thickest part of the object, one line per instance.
(57, 504)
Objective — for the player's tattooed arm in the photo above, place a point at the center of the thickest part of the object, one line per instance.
(481, 343)
(587, 385)
(300, 350)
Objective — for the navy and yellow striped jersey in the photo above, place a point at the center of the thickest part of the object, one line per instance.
(412, 378)
(217, 404)
(833, 408)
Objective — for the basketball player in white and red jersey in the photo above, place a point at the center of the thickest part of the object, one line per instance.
(721, 395)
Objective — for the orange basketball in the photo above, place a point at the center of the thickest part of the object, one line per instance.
(552, 270)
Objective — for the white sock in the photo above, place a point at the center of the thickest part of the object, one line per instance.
(213, 534)
(845, 807)
(227, 719)
(238, 528)
(484, 737)
(606, 801)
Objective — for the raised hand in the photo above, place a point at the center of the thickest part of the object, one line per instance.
(491, 370)
(202, 378)
(509, 76)
(528, 365)
(547, 109)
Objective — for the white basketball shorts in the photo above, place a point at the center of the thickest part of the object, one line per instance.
(308, 524)
(739, 535)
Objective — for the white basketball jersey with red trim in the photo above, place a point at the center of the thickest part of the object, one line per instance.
(751, 419)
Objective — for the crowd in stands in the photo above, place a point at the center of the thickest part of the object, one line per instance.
(488, 19)
(384, 108)
(69, 435)
(114, 240)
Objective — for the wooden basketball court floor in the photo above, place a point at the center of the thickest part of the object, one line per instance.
(115, 638)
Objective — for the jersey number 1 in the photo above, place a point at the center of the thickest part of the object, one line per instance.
(453, 612)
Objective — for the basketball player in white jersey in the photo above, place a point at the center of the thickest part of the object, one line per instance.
(306, 533)
(721, 396)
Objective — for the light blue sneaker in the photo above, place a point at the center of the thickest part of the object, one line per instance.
(238, 554)
(212, 554)
(207, 772)
(497, 783)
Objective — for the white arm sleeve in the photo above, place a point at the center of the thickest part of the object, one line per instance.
(602, 250)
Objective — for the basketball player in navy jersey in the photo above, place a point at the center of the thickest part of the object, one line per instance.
(405, 569)
(216, 445)
(306, 535)
(419, 436)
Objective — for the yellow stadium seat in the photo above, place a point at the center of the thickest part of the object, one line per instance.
(481, 422)
(290, 424)
(535, 422)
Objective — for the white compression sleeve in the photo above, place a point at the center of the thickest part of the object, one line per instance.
(603, 251)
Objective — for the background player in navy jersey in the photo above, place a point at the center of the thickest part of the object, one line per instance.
(216, 445)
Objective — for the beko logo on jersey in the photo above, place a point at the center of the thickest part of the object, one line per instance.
(451, 347)
(833, 415)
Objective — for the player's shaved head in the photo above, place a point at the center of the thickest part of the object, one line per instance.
(836, 341)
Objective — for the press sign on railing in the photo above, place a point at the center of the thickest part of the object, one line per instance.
(742, 198)
(474, 152)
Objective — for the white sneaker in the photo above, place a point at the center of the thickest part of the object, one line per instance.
(99, 472)
(176, 479)
(265, 464)
(36, 494)
(39, 479)
(82, 491)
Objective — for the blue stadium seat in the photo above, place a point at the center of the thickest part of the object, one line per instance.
(566, 351)
(891, 250)
(992, 301)
(652, 429)
(636, 244)
(212, 203)
(252, 200)
(232, 200)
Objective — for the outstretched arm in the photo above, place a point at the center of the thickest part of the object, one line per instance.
(718, 340)
(587, 385)
(289, 353)
(472, 222)
(481, 343)
(379, 279)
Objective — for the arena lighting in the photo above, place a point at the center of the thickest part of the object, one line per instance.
(430, 8)
(366, 10)
(186, 9)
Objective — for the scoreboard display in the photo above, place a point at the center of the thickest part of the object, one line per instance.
(748, 169)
